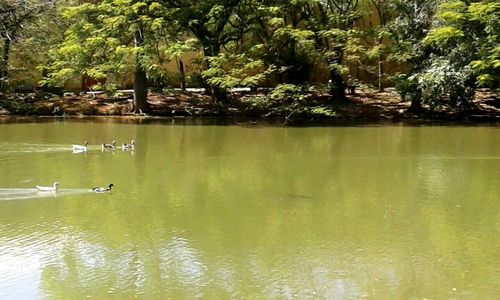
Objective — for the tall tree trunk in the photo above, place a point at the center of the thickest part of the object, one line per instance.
(337, 85)
(183, 75)
(4, 64)
(140, 78)
(416, 106)
(380, 74)
(140, 89)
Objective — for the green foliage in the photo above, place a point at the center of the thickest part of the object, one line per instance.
(455, 56)
(177, 48)
(441, 84)
(443, 35)
(288, 101)
(16, 20)
(410, 25)
(407, 87)
(467, 36)
(447, 50)
(235, 70)
(321, 111)
(100, 41)
(288, 93)
(257, 104)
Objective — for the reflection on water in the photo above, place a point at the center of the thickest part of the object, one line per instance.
(229, 212)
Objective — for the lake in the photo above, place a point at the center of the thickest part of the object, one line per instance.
(249, 212)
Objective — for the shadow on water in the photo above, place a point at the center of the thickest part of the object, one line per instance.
(7, 194)
(243, 121)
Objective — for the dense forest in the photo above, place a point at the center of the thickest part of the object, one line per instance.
(434, 52)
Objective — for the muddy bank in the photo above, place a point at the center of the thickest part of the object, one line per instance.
(366, 105)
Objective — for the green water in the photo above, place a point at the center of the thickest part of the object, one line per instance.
(220, 212)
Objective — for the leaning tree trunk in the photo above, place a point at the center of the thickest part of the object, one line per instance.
(4, 64)
(140, 79)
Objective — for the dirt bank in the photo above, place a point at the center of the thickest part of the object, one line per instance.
(366, 105)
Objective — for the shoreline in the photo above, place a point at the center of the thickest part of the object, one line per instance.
(365, 107)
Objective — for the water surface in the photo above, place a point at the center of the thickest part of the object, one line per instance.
(217, 212)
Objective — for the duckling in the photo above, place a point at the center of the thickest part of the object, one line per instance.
(99, 189)
(130, 146)
(108, 146)
(81, 148)
(48, 188)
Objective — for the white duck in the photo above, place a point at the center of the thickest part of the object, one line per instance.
(48, 188)
(102, 189)
(108, 146)
(130, 146)
(81, 148)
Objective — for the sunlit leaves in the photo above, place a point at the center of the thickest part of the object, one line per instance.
(474, 28)
(298, 35)
(452, 11)
(215, 11)
(231, 70)
(175, 50)
(100, 41)
(139, 7)
(443, 34)
(276, 22)
(485, 10)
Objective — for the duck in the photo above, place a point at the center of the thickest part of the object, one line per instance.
(81, 148)
(48, 188)
(130, 146)
(99, 189)
(108, 146)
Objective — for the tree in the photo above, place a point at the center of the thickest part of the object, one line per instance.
(278, 38)
(109, 38)
(457, 55)
(333, 22)
(210, 22)
(408, 29)
(383, 10)
(13, 15)
(295, 37)
(298, 37)
(466, 36)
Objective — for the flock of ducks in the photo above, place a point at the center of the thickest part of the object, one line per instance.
(112, 146)
(84, 148)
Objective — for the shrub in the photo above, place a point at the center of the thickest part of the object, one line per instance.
(288, 94)
(442, 84)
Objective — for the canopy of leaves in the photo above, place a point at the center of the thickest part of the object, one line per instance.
(467, 34)
(101, 39)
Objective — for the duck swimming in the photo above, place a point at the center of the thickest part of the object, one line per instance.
(109, 146)
(48, 188)
(130, 146)
(81, 148)
(102, 189)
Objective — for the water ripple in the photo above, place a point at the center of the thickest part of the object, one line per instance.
(7, 194)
